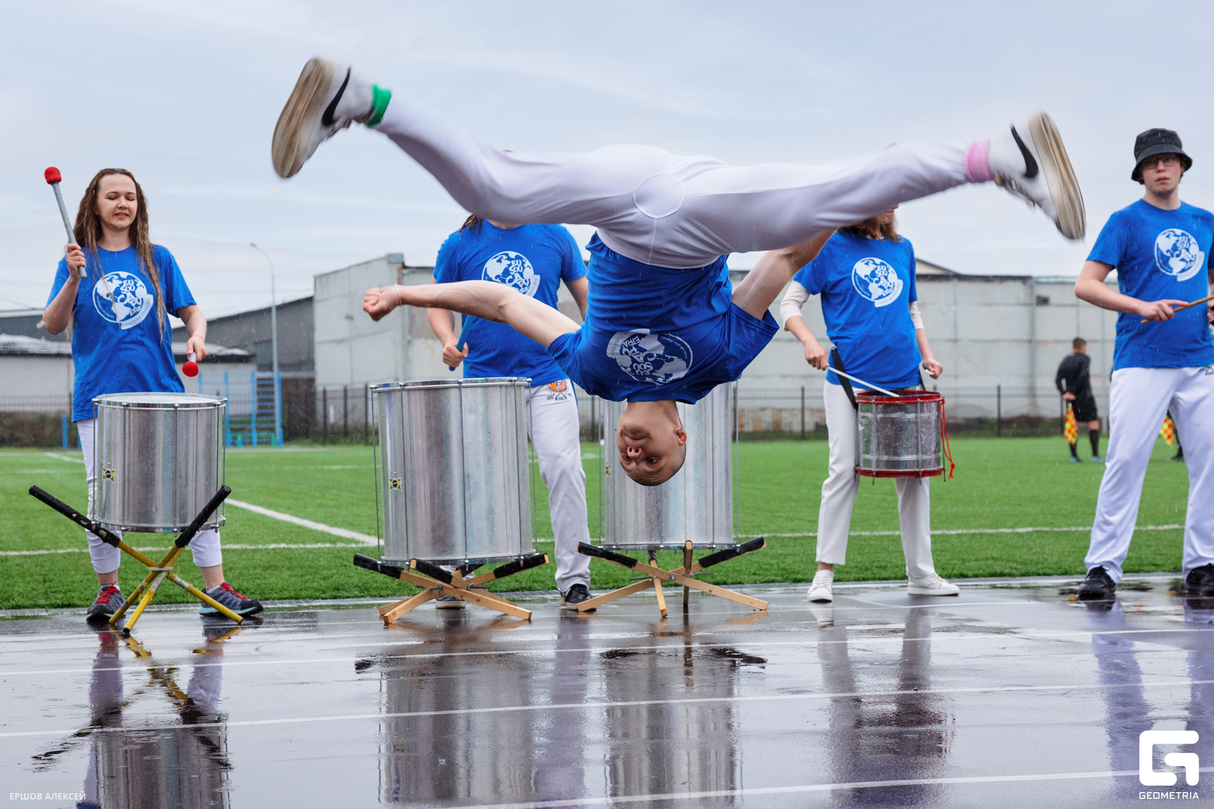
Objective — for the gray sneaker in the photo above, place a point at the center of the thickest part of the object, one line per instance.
(227, 596)
(109, 599)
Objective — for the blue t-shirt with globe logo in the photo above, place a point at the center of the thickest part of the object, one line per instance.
(1160, 254)
(656, 333)
(117, 343)
(867, 286)
(533, 259)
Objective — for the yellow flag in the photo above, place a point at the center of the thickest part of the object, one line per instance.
(1071, 433)
(1168, 431)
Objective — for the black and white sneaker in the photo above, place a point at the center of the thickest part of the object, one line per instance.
(576, 594)
(1031, 163)
(326, 99)
(1098, 586)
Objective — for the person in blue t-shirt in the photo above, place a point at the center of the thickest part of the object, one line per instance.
(1163, 360)
(865, 276)
(533, 260)
(122, 343)
(663, 325)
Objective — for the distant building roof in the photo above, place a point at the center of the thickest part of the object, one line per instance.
(32, 346)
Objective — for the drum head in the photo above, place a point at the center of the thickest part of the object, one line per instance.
(157, 400)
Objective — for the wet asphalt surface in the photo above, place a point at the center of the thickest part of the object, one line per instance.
(1008, 695)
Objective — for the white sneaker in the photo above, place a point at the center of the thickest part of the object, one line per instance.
(326, 99)
(819, 590)
(932, 585)
(1031, 162)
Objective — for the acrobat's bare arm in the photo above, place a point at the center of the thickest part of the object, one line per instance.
(484, 299)
(759, 289)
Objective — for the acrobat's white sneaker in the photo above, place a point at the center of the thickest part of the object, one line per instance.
(1030, 161)
(326, 99)
(932, 585)
(819, 590)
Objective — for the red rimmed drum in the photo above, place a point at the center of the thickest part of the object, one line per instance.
(899, 436)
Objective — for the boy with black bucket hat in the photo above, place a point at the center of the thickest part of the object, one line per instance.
(1163, 360)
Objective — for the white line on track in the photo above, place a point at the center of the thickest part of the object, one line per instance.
(758, 645)
(595, 705)
(752, 792)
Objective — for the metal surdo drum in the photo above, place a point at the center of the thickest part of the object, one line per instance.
(696, 504)
(158, 460)
(899, 437)
(453, 457)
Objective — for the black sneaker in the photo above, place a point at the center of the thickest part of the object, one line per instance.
(109, 599)
(1200, 582)
(445, 602)
(227, 596)
(576, 594)
(1098, 586)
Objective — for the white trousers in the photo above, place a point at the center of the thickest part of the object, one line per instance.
(663, 209)
(554, 429)
(1138, 400)
(106, 559)
(839, 494)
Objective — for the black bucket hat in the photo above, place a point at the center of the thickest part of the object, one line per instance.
(1155, 142)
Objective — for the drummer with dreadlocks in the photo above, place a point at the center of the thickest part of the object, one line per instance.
(122, 343)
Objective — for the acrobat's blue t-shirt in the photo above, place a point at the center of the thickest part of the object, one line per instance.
(532, 259)
(117, 343)
(867, 286)
(1160, 254)
(655, 333)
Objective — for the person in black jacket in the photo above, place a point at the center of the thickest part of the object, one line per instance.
(1075, 384)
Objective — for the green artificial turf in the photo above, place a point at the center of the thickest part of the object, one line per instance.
(1000, 483)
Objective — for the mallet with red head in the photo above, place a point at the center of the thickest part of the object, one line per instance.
(53, 178)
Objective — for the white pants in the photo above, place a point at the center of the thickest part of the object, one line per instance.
(839, 494)
(554, 429)
(106, 558)
(1138, 399)
(666, 210)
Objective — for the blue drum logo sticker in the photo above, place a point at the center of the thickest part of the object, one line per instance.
(394, 484)
(108, 474)
(876, 281)
(514, 270)
(130, 303)
(657, 358)
(1177, 255)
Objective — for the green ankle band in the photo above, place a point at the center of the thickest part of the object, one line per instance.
(379, 102)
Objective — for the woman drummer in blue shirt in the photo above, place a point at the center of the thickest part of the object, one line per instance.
(122, 343)
(865, 276)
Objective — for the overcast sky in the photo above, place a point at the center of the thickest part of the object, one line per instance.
(186, 95)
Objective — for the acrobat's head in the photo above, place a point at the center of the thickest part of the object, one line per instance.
(651, 441)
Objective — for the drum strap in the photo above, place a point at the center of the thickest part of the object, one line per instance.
(836, 362)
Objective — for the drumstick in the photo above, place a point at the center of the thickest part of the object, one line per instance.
(190, 367)
(463, 336)
(858, 381)
(53, 178)
(1186, 306)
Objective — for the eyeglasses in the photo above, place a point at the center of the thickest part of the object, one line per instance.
(1169, 161)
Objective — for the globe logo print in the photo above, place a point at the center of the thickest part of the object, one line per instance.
(876, 281)
(513, 270)
(129, 302)
(1177, 254)
(658, 359)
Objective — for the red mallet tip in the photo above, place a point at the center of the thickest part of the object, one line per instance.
(190, 368)
(52, 175)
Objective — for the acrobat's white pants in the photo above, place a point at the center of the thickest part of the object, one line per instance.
(106, 559)
(552, 425)
(839, 494)
(663, 209)
(1138, 400)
